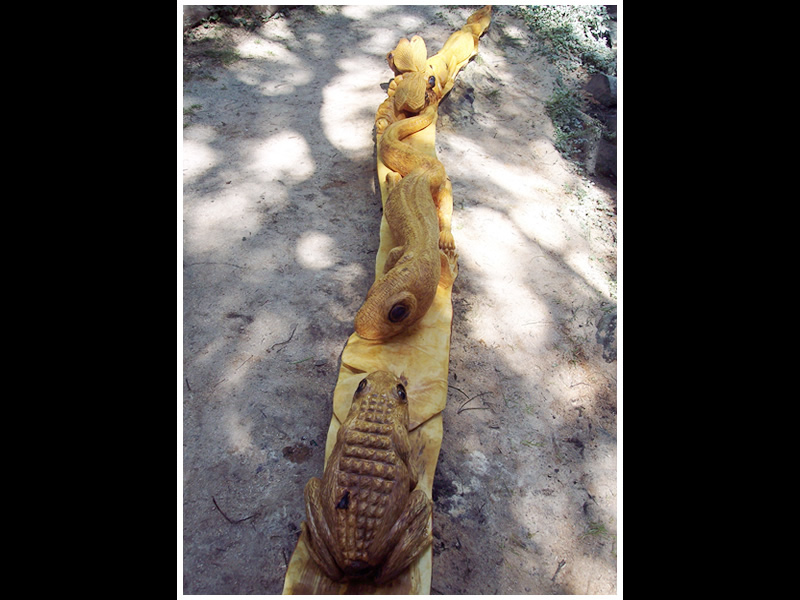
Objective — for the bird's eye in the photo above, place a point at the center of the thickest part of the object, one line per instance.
(431, 81)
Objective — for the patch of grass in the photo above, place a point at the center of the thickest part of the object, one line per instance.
(595, 529)
(226, 56)
(531, 444)
(190, 112)
(509, 40)
(576, 34)
(573, 127)
(574, 38)
(189, 75)
(245, 16)
(599, 530)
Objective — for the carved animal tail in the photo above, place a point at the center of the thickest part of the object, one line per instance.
(479, 20)
(403, 157)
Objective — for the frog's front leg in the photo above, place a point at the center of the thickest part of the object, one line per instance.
(319, 536)
(413, 528)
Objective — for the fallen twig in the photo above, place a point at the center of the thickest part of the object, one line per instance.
(282, 343)
(227, 518)
(561, 563)
(244, 363)
(468, 400)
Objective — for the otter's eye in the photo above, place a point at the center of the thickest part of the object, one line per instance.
(398, 312)
(431, 81)
(401, 392)
(362, 384)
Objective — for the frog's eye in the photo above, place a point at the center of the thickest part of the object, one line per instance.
(401, 392)
(362, 384)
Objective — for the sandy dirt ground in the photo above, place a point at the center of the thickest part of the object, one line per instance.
(280, 224)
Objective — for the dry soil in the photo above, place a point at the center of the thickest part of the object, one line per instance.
(281, 213)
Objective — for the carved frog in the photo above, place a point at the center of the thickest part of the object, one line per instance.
(365, 519)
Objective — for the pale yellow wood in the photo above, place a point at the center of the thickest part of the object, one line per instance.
(421, 355)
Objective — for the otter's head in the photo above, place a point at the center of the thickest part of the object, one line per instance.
(381, 318)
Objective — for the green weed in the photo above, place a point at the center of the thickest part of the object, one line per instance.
(572, 34)
(573, 127)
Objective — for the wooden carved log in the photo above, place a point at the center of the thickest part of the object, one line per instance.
(418, 357)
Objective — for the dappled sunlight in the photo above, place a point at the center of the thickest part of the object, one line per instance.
(496, 261)
(412, 23)
(545, 516)
(294, 72)
(521, 179)
(377, 13)
(237, 432)
(554, 227)
(537, 209)
(285, 156)
(197, 154)
(592, 271)
(267, 49)
(347, 125)
(206, 354)
(541, 221)
(282, 83)
(364, 11)
(214, 224)
(380, 38)
(602, 464)
(555, 528)
(316, 250)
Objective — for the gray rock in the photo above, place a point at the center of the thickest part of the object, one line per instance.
(606, 335)
(603, 88)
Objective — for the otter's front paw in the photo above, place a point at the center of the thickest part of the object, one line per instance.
(449, 260)
(446, 241)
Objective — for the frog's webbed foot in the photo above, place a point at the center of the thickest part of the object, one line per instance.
(317, 533)
(416, 536)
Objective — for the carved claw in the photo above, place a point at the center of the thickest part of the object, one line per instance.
(413, 529)
(449, 260)
(392, 179)
(319, 538)
(446, 240)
